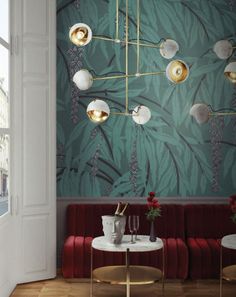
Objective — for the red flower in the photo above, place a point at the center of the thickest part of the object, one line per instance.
(153, 204)
(154, 208)
(232, 202)
(156, 205)
(232, 199)
(233, 208)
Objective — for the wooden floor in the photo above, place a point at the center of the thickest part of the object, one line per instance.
(62, 288)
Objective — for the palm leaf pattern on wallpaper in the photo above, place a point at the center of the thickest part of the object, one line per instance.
(171, 154)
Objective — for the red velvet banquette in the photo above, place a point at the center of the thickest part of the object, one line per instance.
(191, 234)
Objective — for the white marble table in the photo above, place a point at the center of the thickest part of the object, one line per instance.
(229, 241)
(141, 245)
(228, 272)
(126, 274)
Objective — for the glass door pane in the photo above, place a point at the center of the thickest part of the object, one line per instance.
(4, 17)
(4, 106)
(4, 69)
(4, 173)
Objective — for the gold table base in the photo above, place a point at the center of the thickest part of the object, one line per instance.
(128, 274)
(229, 273)
(116, 275)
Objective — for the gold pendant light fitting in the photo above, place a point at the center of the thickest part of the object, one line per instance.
(230, 72)
(177, 71)
(201, 112)
(80, 34)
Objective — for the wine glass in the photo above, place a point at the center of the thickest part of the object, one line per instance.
(132, 226)
(137, 227)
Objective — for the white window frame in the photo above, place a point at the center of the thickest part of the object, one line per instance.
(7, 131)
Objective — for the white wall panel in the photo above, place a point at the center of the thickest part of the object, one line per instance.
(35, 240)
(35, 161)
(35, 60)
(35, 17)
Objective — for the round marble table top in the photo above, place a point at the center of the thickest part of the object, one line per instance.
(229, 241)
(141, 245)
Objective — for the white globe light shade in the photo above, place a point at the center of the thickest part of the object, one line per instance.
(223, 49)
(83, 79)
(230, 72)
(141, 114)
(98, 111)
(80, 34)
(177, 71)
(169, 48)
(200, 112)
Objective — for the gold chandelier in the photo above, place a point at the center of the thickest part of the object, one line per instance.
(98, 111)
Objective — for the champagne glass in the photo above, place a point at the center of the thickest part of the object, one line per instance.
(132, 227)
(137, 227)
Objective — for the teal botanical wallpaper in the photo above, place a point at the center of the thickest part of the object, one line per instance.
(172, 154)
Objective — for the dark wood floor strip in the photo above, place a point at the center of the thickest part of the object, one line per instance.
(59, 287)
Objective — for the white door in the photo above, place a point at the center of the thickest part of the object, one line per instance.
(34, 55)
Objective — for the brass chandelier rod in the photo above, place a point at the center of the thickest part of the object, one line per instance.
(126, 58)
(124, 113)
(138, 27)
(117, 20)
(129, 75)
(221, 113)
(129, 42)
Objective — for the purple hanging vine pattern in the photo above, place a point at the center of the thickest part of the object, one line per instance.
(216, 133)
(234, 118)
(133, 166)
(94, 159)
(77, 4)
(231, 3)
(60, 156)
(75, 53)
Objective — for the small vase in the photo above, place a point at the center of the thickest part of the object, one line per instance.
(152, 237)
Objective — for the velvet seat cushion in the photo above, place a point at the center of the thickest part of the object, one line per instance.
(84, 223)
(204, 257)
(205, 226)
